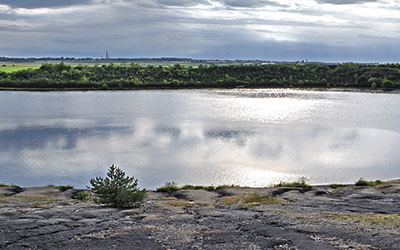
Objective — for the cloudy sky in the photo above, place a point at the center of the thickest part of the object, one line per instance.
(322, 30)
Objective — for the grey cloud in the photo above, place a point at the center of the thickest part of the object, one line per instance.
(346, 1)
(185, 3)
(32, 4)
(250, 3)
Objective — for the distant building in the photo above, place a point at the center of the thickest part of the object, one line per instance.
(107, 55)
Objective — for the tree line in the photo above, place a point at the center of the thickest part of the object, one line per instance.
(133, 75)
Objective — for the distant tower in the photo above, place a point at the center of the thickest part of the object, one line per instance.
(107, 55)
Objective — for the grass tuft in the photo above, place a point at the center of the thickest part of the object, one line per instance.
(300, 183)
(334, 186)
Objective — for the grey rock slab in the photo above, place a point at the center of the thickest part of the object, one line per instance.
(196, 195)
(292, 195)
(8, 191)
(389, 189)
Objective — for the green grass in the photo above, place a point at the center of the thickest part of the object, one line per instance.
(10, 69)
(7, 185)
(362, 182)
(300, 183)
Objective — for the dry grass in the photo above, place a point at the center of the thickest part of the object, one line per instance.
(180, 203)
(168, 198)
(373, 219)
(251, 200)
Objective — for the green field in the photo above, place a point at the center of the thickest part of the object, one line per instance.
(9, 69)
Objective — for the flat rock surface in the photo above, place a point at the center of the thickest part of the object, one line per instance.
(320, 217)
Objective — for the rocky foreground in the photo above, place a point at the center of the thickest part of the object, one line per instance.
(320, 217)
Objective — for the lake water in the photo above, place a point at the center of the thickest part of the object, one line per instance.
(209, 137)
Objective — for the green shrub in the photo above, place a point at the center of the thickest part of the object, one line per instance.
(362, 182)
(386, 83)
(105, 86)
(117, 190)
(62, 188)
(169, 187)
(83, 196)
(300, 183)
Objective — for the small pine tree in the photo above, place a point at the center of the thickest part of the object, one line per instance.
(117, 190)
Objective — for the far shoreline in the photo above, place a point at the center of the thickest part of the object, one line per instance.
(322, 89)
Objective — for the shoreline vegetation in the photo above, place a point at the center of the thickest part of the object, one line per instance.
(135, 76)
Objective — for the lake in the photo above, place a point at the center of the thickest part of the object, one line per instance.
(249, 137)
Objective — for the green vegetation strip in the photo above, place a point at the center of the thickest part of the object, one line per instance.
(111, 76)
(10, 69)
(170, 187)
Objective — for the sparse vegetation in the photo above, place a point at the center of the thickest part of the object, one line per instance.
(362, 182)
(62, 188)
(251, 200)
(169, 187)
(117, 190)
(300, 183)
(334, 186)
(228, 186)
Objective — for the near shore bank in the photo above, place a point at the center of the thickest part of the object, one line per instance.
(320, 217)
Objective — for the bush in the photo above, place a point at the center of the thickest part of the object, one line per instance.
(362, 182)
(83, 196)
(168, 187)
(117, 190)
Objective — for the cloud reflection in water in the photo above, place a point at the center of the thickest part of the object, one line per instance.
(199, 137)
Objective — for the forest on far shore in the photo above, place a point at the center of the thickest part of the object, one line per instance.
(113, 76)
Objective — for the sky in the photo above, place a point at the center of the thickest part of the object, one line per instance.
(284, 30)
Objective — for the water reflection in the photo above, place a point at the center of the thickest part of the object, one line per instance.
(196, 143)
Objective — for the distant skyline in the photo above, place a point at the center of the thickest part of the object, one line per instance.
(284, 30)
